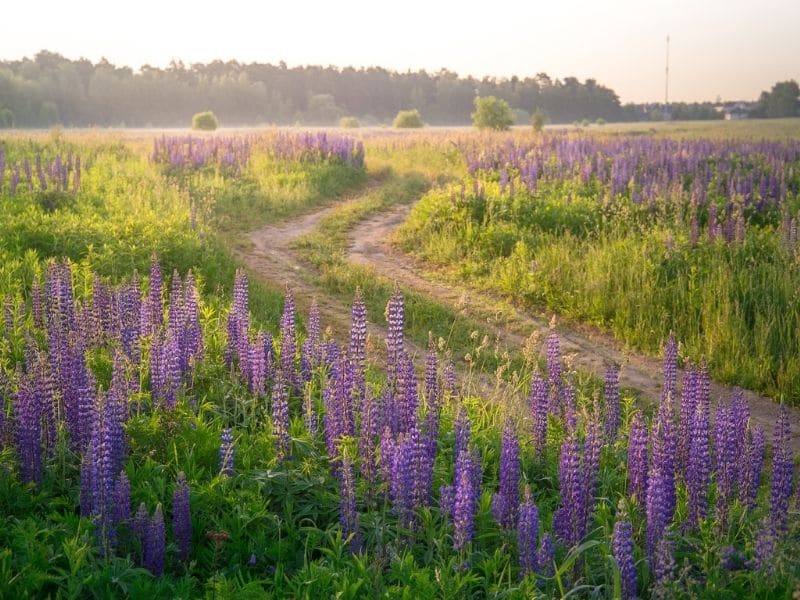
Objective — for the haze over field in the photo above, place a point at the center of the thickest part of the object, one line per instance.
(730, 49)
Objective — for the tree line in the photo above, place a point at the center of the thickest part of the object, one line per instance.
(50, 89)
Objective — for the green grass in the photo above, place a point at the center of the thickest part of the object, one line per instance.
(627, 270)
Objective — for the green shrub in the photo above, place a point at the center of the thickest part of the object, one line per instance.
(492, 113)
(6, 118)
(538, 119)
(349, 122)
(205, 121)
(408, 119)
(600, 121)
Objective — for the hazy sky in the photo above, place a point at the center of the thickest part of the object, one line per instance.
(730, 48)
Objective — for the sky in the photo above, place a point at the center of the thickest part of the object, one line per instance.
(732, 49)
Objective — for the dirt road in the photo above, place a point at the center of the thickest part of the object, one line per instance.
(586, 348)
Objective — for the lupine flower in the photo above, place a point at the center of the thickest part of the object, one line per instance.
(545, 558)
(28, 429)
(141, 520)
(612, 403)
(402, 480)
(154, 544)
(280, 418)
(226, 451)
(155, 305)
(539, 408)
(394, 340)
(181, 517)
(664, 562)
(765, 544)
(567, 522)
(463, 510)
(122, 499)
(311, 352)
(622, 543)
(661, 477)
(755, 442)
(528, 534)
(698, 471)
(288, 341)
(348, 515)
(782, 473)
(637, 458)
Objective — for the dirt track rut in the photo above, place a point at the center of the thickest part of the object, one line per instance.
(269, 255)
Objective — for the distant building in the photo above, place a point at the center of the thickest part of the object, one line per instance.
(733, 111)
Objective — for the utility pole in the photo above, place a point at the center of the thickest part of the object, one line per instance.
(666, 82)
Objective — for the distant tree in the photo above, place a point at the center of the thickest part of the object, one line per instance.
(323, 110)
(349, 122)
(408, 119)
(783, 100)
(600, 121)
(521, 116)
(492, 113)
(205, 121)
(6, 118)
(538, 120)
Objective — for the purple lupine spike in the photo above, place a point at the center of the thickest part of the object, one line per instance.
(553, 356)
(288, 341)
(528, 533)
(367, 435)
(661, 477)
(357, 350)
(637, 458)
(28, 428)
(505, 504)
(611, 397)
(155, 303)
(698, 470)
(782, 473)
(402, 481)
(670, 369)
(463, 510)
(688, 403)
(280, 418)
(121, 509)
(725, 460)
(348, 515)
(181, 517)
(545, 557)
(590, 467)
(116, 412)
(406, 396)
(37, 304)
(754, 445)
(139, 524)
(226, 452)
(431, 375)
(664, 562)
(395, 345)
(423, 465)
(194, 334)
(462, 431)
(386, 458)
(764, 544)
(257, 366)
(622, 543)
(571, 489)
(155, 543)
(311, 352)
(539, 409)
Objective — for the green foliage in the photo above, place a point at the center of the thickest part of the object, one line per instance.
(408, 119)
(538, 119)
(205, 121)
(783, 100)
(6, 118)
(628, 269)
(349, 123)
(492, 113)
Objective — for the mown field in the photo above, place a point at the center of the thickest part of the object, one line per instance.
(172, 427)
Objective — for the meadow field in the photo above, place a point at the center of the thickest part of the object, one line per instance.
(370, 364)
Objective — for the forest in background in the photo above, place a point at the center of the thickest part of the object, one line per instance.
(50, 89)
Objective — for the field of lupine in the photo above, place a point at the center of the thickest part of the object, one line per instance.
(171, 428)
(644, 237)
